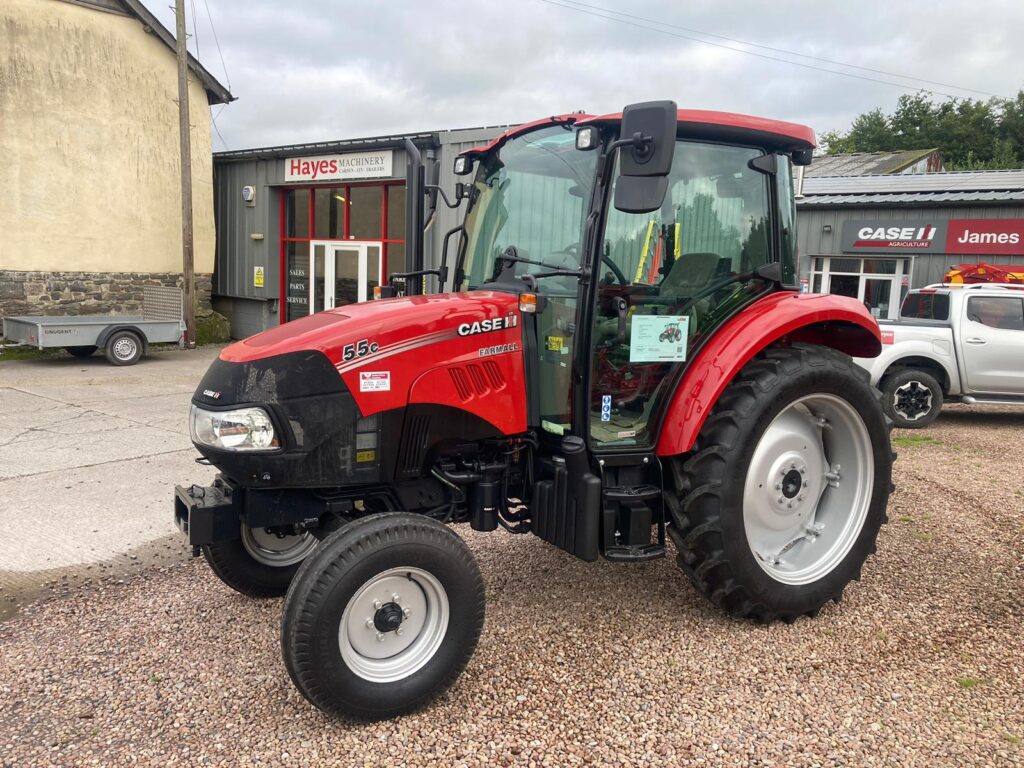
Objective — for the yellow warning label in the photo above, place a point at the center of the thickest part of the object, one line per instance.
(366, 455)
(257, 277)
(555, 343)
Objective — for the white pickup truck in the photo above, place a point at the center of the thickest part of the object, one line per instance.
(952, 343)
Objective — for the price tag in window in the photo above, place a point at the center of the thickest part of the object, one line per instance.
(658, 338)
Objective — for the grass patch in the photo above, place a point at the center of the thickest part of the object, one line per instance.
(969, 682)
(1015, 740)
(27, 353)
(921, 536)
(905, 519)
(910, 441)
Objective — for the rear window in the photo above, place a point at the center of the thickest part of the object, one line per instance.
(926, 306)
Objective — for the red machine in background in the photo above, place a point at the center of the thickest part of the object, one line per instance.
(986, 273)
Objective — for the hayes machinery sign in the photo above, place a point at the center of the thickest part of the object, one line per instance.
(1004, 237)
(350, 166)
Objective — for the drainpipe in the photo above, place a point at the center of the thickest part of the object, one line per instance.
(799, 186)
(414, 186)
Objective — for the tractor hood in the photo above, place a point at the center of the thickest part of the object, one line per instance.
(379, 348)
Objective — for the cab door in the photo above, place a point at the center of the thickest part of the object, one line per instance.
(992, 340)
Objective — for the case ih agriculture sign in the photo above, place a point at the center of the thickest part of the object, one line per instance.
(354, 165)
(956, 236)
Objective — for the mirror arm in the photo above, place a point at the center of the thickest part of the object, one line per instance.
(437, 188)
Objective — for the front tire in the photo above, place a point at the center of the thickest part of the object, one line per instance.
(911, 398)
(260, 562)
(123, 348)
(383, 617)
(781, 500)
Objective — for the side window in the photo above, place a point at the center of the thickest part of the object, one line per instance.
(926, 306)
(668, 278)
(1004, 312)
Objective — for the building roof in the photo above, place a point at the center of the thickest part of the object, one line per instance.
(327, 147)
(921, 188)
(215, 92)
(866, 163)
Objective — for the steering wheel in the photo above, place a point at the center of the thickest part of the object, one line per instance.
(573, 249)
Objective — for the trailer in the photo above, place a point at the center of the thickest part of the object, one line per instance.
(123, 338)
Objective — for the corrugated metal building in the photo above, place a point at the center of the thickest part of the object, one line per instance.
(309, 226)
(873, 237)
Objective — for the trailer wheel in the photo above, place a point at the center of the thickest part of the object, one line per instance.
(912, 398)
(260, 562)
(123, 348)
(781, 501)
(382, 617)
(80, 351)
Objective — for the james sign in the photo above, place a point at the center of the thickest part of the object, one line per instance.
(982, 237)
(351, 166)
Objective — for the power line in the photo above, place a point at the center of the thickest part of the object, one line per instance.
(213, 28)
(786, 51)
(195, 26)
(216, 128)
(902, 86)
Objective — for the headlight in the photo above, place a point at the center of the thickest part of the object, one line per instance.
(244, 429)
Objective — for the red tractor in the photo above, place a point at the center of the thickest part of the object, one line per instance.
(536, 396)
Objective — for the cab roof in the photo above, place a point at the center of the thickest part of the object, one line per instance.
(691, 123)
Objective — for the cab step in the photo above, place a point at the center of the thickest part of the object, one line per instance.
(627, 554)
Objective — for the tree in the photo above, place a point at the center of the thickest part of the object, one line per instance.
(970, 133)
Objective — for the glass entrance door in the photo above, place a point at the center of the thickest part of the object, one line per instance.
(343, 272)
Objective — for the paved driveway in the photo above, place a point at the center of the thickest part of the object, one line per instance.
(89, 455)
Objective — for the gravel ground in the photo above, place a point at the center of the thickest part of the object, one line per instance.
(582, 664)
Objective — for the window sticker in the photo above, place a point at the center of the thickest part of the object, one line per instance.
(658, 338)
(606, 407)
(375, 381)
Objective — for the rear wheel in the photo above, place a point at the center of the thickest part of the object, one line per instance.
(123, 348)
(80, 351)
(780, 503)
(383, 616)
(911, 398)
(261, 562)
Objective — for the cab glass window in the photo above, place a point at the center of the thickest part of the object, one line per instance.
(926, 306)
(1003, 312)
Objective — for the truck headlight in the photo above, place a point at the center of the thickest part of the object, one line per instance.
(243, 429)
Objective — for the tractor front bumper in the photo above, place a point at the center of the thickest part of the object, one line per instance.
(207, 514)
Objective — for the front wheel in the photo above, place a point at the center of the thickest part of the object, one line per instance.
(123, 348)
(382, 617)
(912, 398)
(781, 501)
(261, 562)
(80, 351)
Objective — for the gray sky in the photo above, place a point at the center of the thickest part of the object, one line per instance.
(311, 70)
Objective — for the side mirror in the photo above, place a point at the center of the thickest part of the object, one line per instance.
(647, 144)
(803, 156)
(460, 191)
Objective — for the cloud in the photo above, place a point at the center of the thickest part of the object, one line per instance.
(327, 69)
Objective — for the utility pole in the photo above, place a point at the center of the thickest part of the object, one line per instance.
(187, 262)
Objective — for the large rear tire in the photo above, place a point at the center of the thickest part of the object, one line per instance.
(781, 500)
(382, 617)
(260, 562)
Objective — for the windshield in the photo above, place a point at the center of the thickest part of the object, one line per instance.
(532, 194)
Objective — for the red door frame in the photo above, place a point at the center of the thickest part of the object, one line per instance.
(346, 231)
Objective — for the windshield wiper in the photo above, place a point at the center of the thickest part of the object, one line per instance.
(510, 257)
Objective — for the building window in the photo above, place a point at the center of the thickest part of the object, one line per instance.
(881, 283)
(372, 212)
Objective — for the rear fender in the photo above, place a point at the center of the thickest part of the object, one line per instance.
(830, 321)
(101, 341)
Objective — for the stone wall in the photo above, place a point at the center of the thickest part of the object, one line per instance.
(86, 293)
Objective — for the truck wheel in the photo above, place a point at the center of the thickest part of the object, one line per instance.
(780, 502)
(260, 562)
(911, 398)
(80, 351)
(123, 348)
(383, 616)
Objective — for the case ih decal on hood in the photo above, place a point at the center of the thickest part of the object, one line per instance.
(425, 343)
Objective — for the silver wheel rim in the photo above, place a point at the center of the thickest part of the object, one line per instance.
(268, 548)
(912, 400)
(125, 348)
(379, 655)
(808, 489)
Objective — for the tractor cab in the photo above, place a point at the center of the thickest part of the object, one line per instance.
(639, 235)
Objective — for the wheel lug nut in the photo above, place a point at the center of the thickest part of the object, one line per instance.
(380, 637)
(778, 486)
(377, 604)
(406, 612)
(399, 631)
(369, 623)
(395, 597)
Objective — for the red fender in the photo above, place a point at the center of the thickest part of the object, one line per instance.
(830, 321)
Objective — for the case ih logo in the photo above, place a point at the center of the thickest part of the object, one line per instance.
(895, 237)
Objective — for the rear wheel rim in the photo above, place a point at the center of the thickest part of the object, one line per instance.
(912, 400)
(278, 551)
(393, 625)
(808, 489)
(125, 348)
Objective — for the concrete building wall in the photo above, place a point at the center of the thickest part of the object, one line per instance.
(89, 140)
